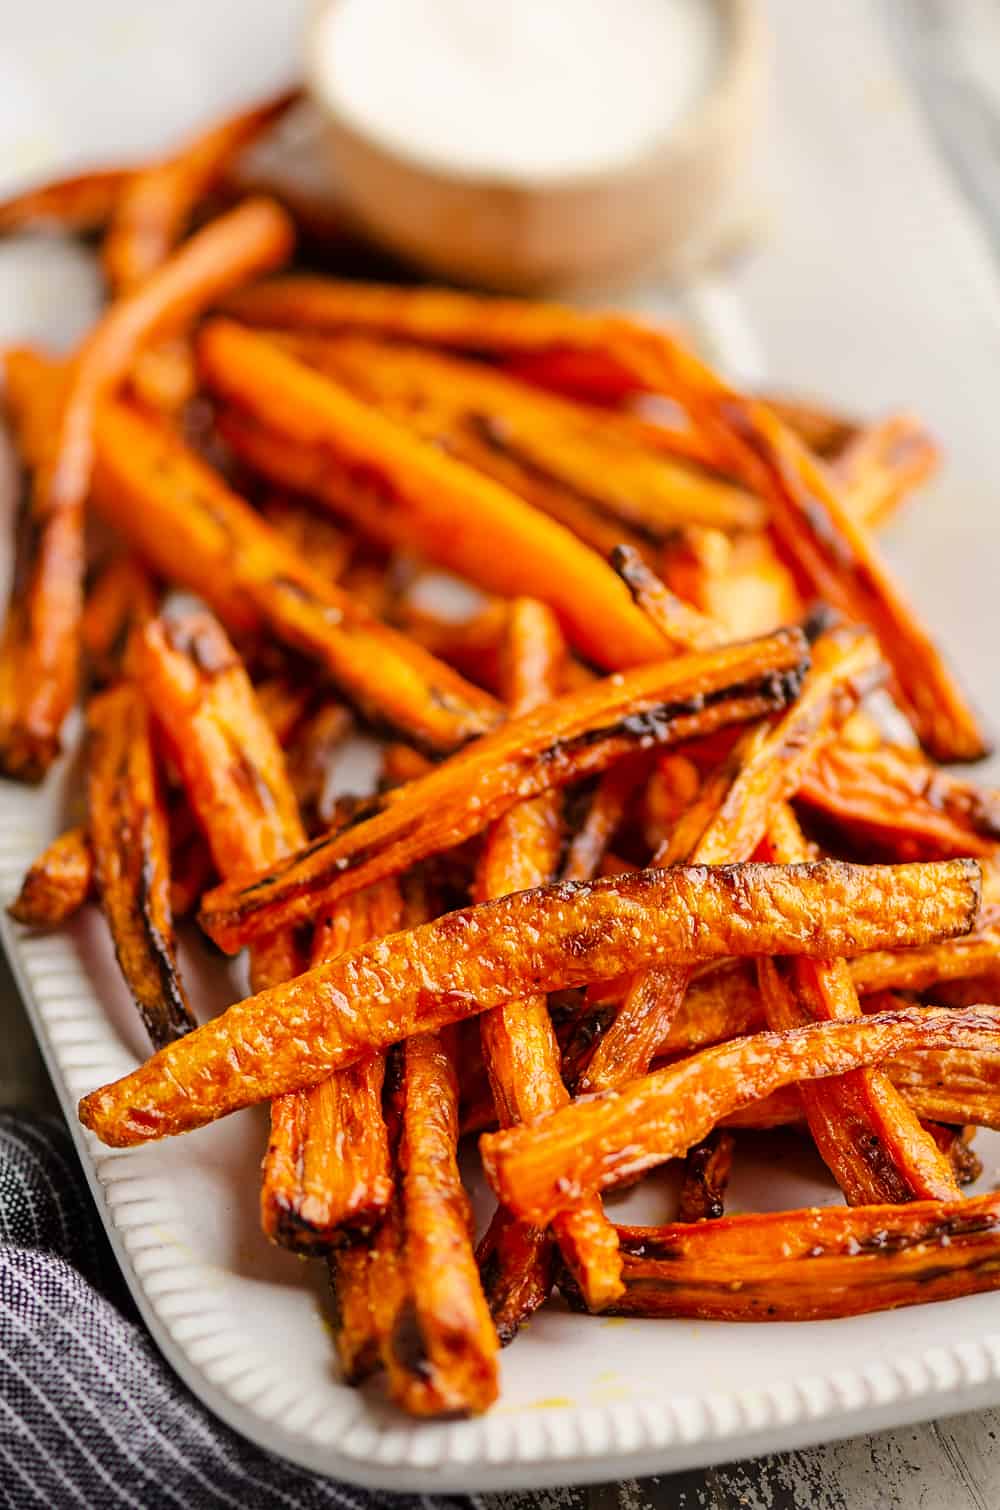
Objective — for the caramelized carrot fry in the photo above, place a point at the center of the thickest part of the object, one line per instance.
(517, 1264)
(614, 791)
(39, 651)
(767, 772)
(121, 599)
(328, 1175)
(310, 754)
(895, 800)
(484, 956)
(451, 1337)
(603, 464)
(575, 735)
(128, 832)
(398, 487)
(740, 582)
(706, 1175)
(813, 1265)
(180, 515)
(58, 883)
(314, 536)
(355, 1275)
(869, 1138)
(151, 213)
(79, 204)
(519, 1045)
(919, 969)
(191, 872)
(882, 463)
(685, 627)
(602, 1140)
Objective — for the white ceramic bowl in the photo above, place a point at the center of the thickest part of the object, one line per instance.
(588, 229)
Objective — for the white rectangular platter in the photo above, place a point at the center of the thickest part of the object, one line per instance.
(875, 288)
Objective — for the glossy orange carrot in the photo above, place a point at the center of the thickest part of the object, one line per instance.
(292, 1036)
(577, 734)
(398, 487)
(599, 1141)
(882, 463)
(181, 517)
(58, 883)
(815, 1264)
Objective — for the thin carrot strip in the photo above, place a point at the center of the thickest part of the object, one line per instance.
(598, 1141)
(181, 517)
(58, 883)
(294, 1035)
(706, 1173)
(397, 486)
(882, 463)
(578, 733)
(82, 203)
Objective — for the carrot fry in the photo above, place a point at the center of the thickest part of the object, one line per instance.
(577, 734)
(121, 599)
(602, 1140)
(399, 488)
(79, 204)
(451, 1342)
(614, 791)
(484, 956)
(517, 1268)
(606, 464)
(919, 969)
(58, 883)
(183, 519)
(883, 462)
(519, 1045)
(706, 1174)
(767, 772)
(355, 1275)
(896, 801)
(685, 627)
(39, 651)
(327, 1172)
(740, 581)
(128, 832)
(871, 1141)
(150, 214)
(314, 536)
(815, 1264)
(310, 753)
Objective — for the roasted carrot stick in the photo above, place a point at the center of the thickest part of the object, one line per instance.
(397, 486)
(895, 801)
(58, 883)
(355, 1275)
(183, 519)
(919, 969)
(128, 832)
(79, 204)
(577, 734)
(151, 213)
(883, 462)
(813, 1265)
(871, 1141)
(328, 1175)
(485, 956)
(728, 829)
(519, 1045)
(121, 599)
(607, 808)
(706, 1174)
(681, 625)
(601, 1140)
(39, 652)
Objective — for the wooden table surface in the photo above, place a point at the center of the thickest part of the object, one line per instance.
(935, 66)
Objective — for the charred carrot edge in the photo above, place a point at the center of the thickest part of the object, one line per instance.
(706, 1174)
(868, 1137)
(151, 212)
(884, 462)
(81, 203)
(328, 1175)
(182, 518)
(768, 772)
(901, 804)
(544, 1168)
(484, 956)
(39, 652)
(601, 464)
(683, 626)
(58, 883)
(452, 1338)
(518, 1042)
(517, 1266)
(385, 478)
(578, 733)
(813, 524)
(589, 845)
(815, 1264)
(128, 832)
(355, 1274)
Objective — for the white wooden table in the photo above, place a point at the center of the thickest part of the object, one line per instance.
(874, 279)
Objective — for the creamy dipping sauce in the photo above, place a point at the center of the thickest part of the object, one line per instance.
(523, 90)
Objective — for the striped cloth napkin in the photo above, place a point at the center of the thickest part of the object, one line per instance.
(90, 1415)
